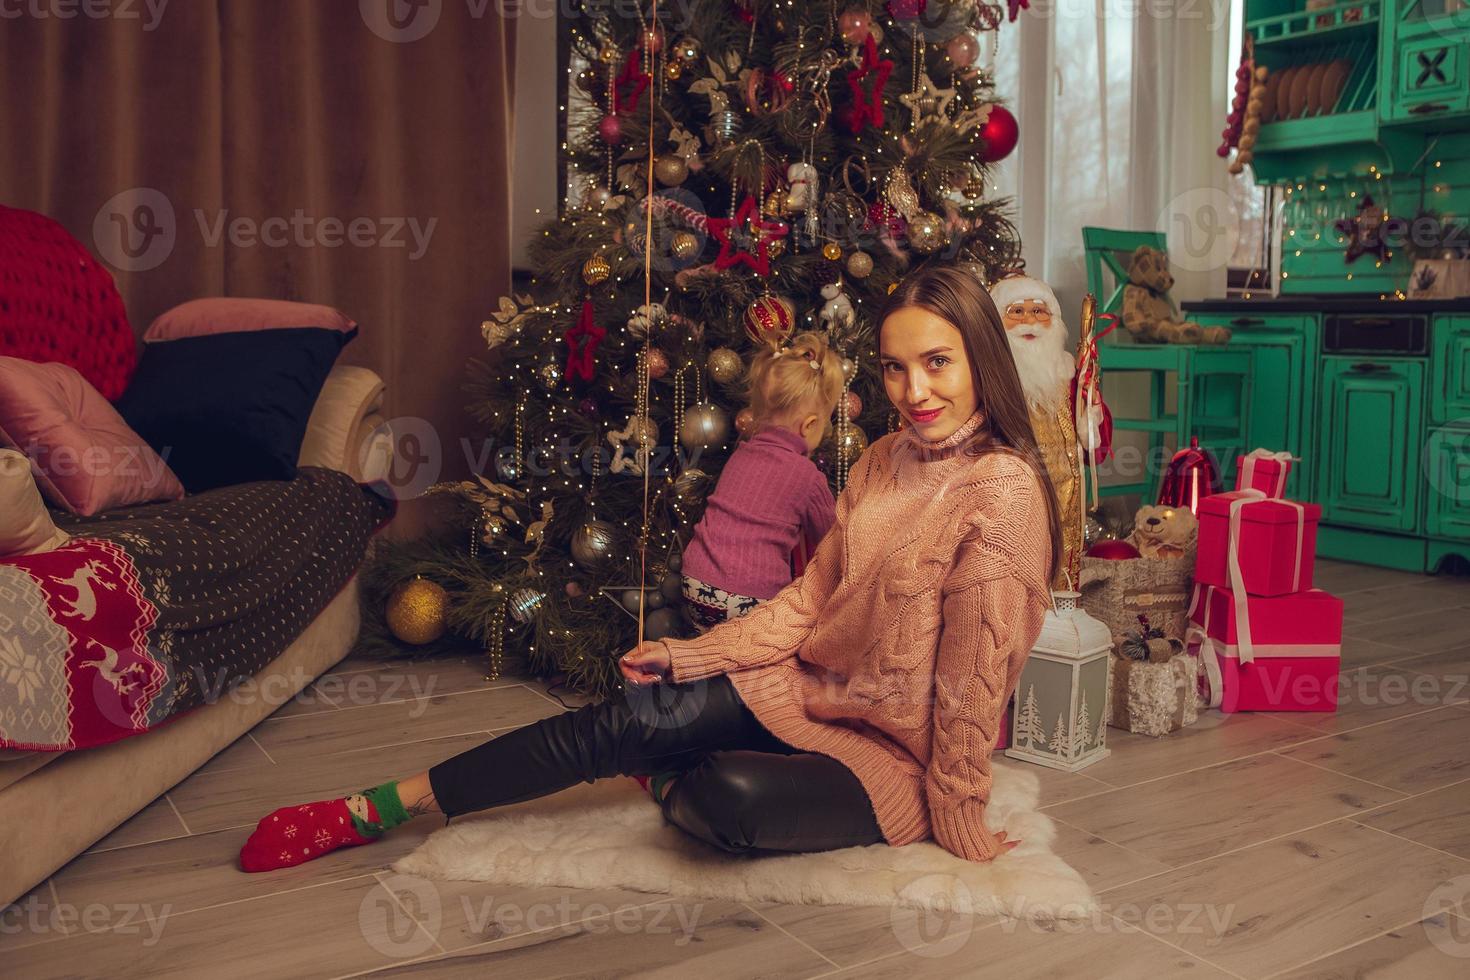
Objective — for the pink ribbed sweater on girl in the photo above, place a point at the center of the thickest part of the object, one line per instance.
(897, 649)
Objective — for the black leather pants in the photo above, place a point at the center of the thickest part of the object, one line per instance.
(741, 788)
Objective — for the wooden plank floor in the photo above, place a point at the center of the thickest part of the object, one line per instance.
(1253, 845)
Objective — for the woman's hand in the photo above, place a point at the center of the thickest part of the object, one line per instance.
(647, 663)
(1003, 845)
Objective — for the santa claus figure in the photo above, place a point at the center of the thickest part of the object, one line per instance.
(1068, 432)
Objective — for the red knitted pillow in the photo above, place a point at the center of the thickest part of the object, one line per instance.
(58, 303)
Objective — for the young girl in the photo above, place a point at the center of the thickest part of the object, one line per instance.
(770, 495)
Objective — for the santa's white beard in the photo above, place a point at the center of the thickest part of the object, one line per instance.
(1044, 365)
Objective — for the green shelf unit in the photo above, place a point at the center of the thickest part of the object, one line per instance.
(1297, 23)
(1406, 102)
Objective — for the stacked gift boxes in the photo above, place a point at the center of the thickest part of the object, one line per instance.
(1266, 639)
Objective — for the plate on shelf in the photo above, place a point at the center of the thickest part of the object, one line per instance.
(1283, 93)
(1268, 98)
(1314, 89)
(1333, 82)
(1296, 102)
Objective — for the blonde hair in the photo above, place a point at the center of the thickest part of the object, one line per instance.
(785, 381)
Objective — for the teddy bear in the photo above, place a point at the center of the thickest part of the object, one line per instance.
(1164, 532)
(1148, 312)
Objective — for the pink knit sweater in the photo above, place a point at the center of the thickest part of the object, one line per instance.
(897, 649)
(770, 496)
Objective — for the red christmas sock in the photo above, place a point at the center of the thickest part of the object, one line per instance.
(293, 835)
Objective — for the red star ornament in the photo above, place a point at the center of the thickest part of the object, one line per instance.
(630, 77)
(582, 341)
(1364, 232)
(746, 218)
(867, 106)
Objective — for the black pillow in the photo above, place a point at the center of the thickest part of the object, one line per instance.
(229, 408)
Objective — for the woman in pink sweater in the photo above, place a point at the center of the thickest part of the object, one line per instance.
(861, 703)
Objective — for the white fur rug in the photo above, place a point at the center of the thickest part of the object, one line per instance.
(609, 834)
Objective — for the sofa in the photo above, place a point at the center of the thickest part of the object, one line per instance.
(56, 804)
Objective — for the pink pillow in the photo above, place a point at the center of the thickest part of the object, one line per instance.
(202, 317)
(85, 457)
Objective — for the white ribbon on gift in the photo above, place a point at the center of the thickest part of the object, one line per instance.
(1248, 463)
(1243, 648)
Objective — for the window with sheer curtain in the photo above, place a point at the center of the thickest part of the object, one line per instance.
(1121, 103)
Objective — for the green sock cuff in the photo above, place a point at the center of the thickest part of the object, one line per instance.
(390, 809)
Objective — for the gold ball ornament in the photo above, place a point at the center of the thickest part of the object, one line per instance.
(690, 488)
(705, 426)
(724, 365)
(550, 374)
(859, 265)
(592, 544)
(776, 248)
(684, 245)
(770, 319)
(744, 421)
(417, 611)
(673, 71)
(927, 233)
(775, 204)
(854, 441)
(595, 271)
(670, 170)
(658, 363)
(608, 53)
(831, 251)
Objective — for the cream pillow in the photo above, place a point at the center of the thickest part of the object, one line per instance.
(25, 525)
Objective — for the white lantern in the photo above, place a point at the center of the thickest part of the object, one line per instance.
(1061, 714)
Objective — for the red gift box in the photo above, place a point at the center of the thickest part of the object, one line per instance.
(1274, 541)
(1264, 471)
(1279, 653)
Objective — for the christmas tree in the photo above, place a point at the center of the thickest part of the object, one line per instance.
(741, 171)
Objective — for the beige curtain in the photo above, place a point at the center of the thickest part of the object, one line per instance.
(328, 151)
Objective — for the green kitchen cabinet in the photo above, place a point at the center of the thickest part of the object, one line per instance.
(1368, 458)
(1449, 392)
(1447, 483)
(1283, 387)
(1425, 74)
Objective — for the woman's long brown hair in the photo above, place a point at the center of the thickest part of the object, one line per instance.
(956, 296)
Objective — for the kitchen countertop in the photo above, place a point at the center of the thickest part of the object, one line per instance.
(1327, 304)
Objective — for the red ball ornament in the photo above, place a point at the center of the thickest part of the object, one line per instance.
(1001, 134)
(744, 420)
(770, 319)
(653, 39)
(611, 130)
(854, 405)
(855, 26)
(1113, 550)
(658, 363)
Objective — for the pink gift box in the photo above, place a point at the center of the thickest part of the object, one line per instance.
(1004, 741)
(1263, 471)
(1276, 547)
(1287, 660)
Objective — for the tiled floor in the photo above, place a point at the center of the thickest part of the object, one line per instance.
(1247, 846)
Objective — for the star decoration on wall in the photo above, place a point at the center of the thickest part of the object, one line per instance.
(746, 223)
(1364, 232)
(927, 101)
(867, 105)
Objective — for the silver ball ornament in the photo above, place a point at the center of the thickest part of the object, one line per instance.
(705, 425)
(592, 544)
